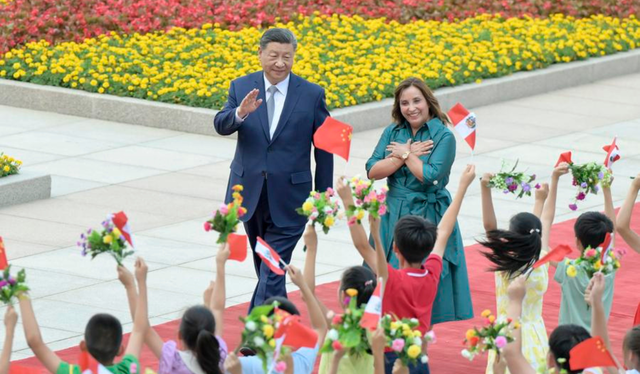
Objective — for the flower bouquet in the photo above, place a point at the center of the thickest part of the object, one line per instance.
(494, 336)
(107, 240)
(513, 181)
(321, 208)
(588, 177)
(367, 199)
(8, 165)
(10, 287)
(346, 332)
(591, 262)
(226, 219)
(405, 340)
(258, 334)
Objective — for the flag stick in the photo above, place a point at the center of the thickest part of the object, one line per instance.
(283, 263)
(344, 172)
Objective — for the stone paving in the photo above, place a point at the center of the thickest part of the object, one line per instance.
(169, 182)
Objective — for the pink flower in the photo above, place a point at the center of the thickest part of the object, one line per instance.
(501, 342)
(207, 226)
(330, 191)
(382, 197)
(581, 196)
(590, 253)
(382, 210)
(352, 221)
(281, 366)
(223, 209)
(336, 345)
(336, 319)
(398, 345)
(367, 199)
(359, 189)
(431, 337)
(358, 202)
(317, 196)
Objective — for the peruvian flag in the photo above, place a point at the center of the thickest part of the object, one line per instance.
(89, 365)
(613, 153)
(373, 310)
(3, 256)
(121, 221)
(269, 256)
(465, 123)
(605, 247)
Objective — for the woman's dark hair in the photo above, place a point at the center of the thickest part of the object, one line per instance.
(632, 342)
(514, 251)
(361, 279)
(434, 106)
(562, 341)
(197, 331)
(284, 304)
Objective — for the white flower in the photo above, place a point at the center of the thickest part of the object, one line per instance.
(251, 326)
(328, 209)
(392, 332)
(310, 199)
(314, 215)
(332, 334)
(417, 341)
(258, 341)
(424, 359)
(414, 320)
(466, 354)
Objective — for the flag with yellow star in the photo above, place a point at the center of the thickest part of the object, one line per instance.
(334, 137)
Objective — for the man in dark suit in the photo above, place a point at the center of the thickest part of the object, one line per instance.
(275, 120)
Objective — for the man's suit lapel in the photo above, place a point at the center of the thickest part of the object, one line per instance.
(262, 109)
(293, 94)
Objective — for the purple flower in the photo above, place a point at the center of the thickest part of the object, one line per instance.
(581, 196)
(574, 182)
(526, 187)
(89, 231)
(533, 177)
(508, 180)
(12, 281)
(506, 191)
(596, 188)
(347, 300)
(538, 186)
(82, 236)
(79, 244)
(600, 175)
(573, 207)
(3, 283)
(513, 187)
(84, 252)
(583, 185)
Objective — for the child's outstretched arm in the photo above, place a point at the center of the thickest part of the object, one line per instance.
(318, 321)
(358, 235)
(609, 210)
(311, 242)
(516, 362)
(151, 338)
(541, 196)
(488, 213)
(623, 225)
(46, 356)
(10, 321)
(593, 297)
(549, 211)
(381, 260)
(141, 319)
(448, 221)
(378, 342)
(219, 297)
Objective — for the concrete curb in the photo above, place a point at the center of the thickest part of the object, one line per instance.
(24, 187)
(361, 117)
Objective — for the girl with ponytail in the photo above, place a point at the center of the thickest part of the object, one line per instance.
(513, 253)
(201, 327)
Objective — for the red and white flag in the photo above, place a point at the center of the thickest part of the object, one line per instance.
(121, 221)
(269, 256)
(89, 365)
(373, 310)
(605, 247)
(613, 153)
(3, 256)
(464, 122)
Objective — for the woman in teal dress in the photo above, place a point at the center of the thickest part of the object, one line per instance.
(415, 154)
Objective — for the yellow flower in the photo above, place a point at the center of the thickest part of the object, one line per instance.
(395, 325)
(329, 221)
(237, 188)
(360, 214)
(407, 333)
(272, 343)
(6, 168)
(470, 334)
(617, 264)
(417, 334)
(492, 319)
(516, 325)
(413, 351)
(571, 271)
(486, 313)
(116, 232)
(236, 195)
(107, 239)
(307, 206)
(268, 331)
(264, 319)
(597, 265)
(352, 292)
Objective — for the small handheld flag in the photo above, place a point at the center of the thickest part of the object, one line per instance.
(464, 122)
(636, 319)
(605, 247)
(334, 137)
(269, 256)
(121, 221)
(564, 157)
(373, 310)
(557, 254)
(295, 334)
(89, 365)
(3, 256)
(237, 247)
(613, 154)
(591, 353)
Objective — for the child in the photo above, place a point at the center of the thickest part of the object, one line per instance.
(631, 350)
(357, 277)
(102, 336)
(410, 291)
(10, 321)
(200, 329)
(590, 230)
(623, 226)
(513, 253)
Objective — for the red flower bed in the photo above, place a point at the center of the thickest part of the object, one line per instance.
(22, 21)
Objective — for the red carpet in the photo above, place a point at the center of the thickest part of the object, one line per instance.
(445, 354)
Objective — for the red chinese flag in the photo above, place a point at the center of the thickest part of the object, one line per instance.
(334, 137)
(295, 334)
(557, 254)
(636, 320)
(590, 353)
(3, 256)
(564, 157)
(237, 247)
(86, 362)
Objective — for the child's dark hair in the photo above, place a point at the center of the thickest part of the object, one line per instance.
(632, 343)
(103, 336)
(415, 237)
(591, 228)
(361, 279)
(562, 340)
(284, 304)
(197, 331)
(516, 250)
